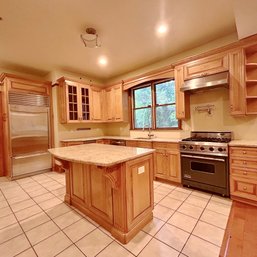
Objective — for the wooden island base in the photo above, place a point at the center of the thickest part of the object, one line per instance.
(119, 198)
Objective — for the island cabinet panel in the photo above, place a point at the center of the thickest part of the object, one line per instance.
(139, 189)
(78, 179)
(100, 193)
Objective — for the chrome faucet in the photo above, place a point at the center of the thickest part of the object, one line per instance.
(149, 132)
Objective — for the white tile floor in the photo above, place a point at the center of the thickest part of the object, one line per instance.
(34, 221)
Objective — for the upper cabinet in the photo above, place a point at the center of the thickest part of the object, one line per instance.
(116, 104)
(251, 79)
(206, 66)
(97, 96)
(80, 103)
(182, 100)
(74, 101)
(236, 84)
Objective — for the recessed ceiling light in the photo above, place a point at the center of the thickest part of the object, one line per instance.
(162, 29)
(102, 61)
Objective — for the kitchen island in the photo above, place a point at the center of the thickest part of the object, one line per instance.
(113, 185)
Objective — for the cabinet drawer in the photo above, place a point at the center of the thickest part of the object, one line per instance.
(164, 145)
(244, 188)
(249, 152)
(245, 173)
(243, 162)
(206, 66)
(71, 143)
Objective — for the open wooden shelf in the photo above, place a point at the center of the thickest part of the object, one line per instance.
(251, 79)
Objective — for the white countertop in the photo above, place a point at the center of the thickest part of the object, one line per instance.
(99, 154)
(246, 143)
(172, 140)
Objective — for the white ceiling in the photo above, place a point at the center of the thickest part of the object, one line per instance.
(42, 36)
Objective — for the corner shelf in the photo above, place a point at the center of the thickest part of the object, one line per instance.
(251, 79)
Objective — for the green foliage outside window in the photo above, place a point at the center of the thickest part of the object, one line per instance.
(155, 106)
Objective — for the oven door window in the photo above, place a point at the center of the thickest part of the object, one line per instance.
(202, 167)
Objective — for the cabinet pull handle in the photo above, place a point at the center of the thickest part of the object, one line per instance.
(244, 188)
(244, 152)
(245, 172)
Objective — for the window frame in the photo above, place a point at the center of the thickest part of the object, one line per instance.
(153, 107)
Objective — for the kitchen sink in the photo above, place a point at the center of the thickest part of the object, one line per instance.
(145, 138)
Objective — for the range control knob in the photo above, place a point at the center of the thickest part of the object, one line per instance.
(211, 149)
(184, 147)
(220, 149)
(191, 147)
(201, 148)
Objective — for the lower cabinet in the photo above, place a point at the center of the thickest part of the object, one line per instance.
(136, 143)
(167, 161)
(243, 174)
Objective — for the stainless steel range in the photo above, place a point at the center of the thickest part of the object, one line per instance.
(204, 161)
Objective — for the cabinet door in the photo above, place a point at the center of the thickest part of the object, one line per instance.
(237, 85)
(181, 99)
(173, 165)
(100, 193)
(96, 103)
(72, 102)
(109, 104)
(84, 103)
(160, 162)
(206, 66)
(117, 95)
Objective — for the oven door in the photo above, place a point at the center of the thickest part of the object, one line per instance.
(205, 169)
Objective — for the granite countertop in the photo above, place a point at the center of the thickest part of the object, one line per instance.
(99, 154)
(246, 143)
(171, 140)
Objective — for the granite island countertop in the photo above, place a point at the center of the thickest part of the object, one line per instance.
(99, 154)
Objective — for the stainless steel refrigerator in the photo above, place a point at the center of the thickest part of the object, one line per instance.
(29, 123)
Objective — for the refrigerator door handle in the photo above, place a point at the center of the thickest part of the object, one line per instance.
(30, 155)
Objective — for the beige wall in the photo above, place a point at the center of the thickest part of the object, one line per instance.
(220, 119)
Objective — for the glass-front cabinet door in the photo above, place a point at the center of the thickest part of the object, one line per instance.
(84, 94)
(73, 102)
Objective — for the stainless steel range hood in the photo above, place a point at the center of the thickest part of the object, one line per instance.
(207, 82)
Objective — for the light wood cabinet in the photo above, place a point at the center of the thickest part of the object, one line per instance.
(119, 198)
(74, 101)
(96, 104)
(116, 104)
(206, 66)
(243, 174)
(167, 161)
(182, 100)
(237, 82)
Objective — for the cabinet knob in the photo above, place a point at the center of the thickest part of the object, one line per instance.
(245, 188)
(244, 162)
(245, 172)
(244, 152)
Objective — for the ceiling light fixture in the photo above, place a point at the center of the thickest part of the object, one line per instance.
(162, 29)
(90, 38)
(102, 61)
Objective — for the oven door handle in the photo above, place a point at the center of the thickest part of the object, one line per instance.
(203, 158)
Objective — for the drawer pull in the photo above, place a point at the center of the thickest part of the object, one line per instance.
(245, 188)
(244, 152)
(245, 172)
(244, 162)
